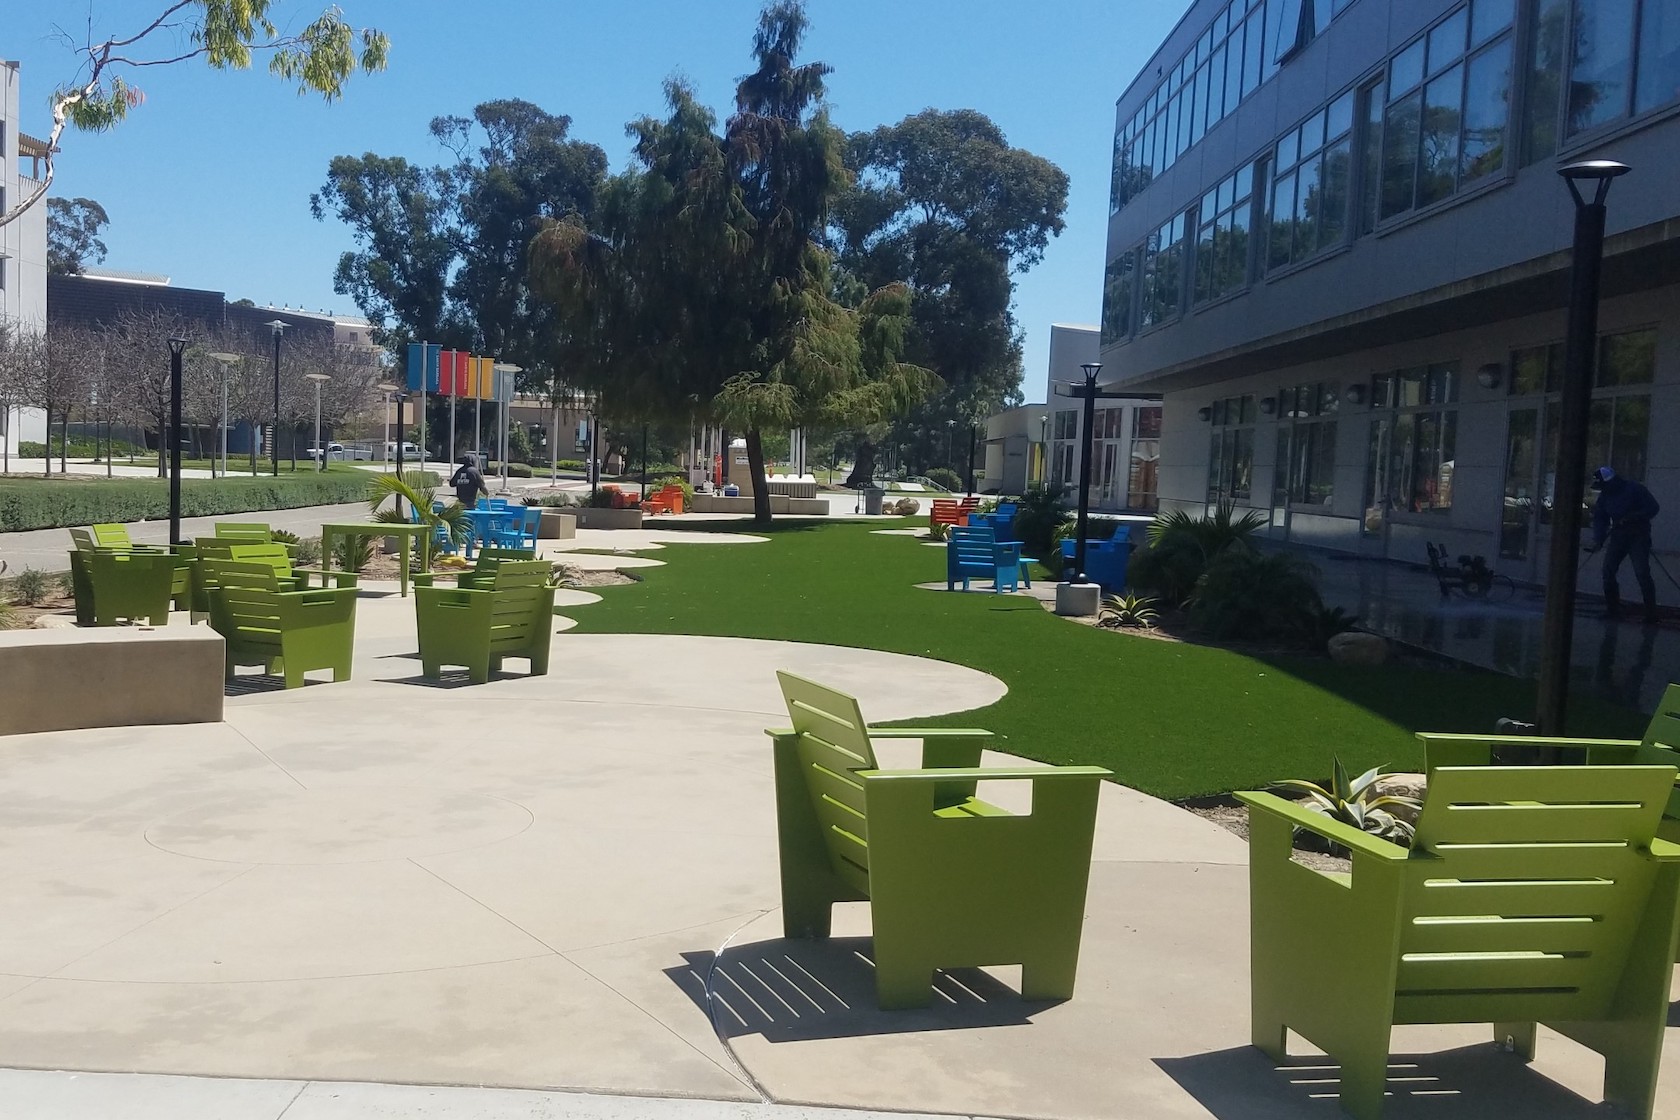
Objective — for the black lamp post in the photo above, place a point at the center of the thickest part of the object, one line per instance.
(1091, 369)
(973, 437)
(1580, 346)
(176, 347)
(644, 460)
(278, 327)
(950, 443)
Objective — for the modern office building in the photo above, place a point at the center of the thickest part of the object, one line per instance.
(23, 248)
(1126, 435)
(1339, 248)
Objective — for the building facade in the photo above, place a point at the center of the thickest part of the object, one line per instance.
(1339, 248)
(1126, 433)
(23, 249)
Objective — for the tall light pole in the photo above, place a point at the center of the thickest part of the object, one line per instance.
(1580, 346)
(1091, 369)
(506, 372)
(1044, 448)
(320, 450)
(279, 328)
(387, 388)
(225, 360)
(176, 347)
(950, 444)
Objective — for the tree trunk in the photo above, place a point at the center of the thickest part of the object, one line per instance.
(761, 483)
(48, 451)
(63, 443)
(863, 471)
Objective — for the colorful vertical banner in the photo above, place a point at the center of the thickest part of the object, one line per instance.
(423, 367)
(505, 385)
(463, 366)
(486, 378)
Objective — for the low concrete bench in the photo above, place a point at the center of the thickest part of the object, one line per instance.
(66, 680)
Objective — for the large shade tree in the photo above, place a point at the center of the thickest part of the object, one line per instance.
(942, 201)
(704, 289)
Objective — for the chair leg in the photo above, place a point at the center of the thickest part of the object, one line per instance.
(1051, 974)
(539, 661)
(294, 678)
(1630, 1072)
(479, 671)
(1364, 1063)
(1517, 1037)
(900, 982)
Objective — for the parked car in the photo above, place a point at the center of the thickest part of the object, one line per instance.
(335, 451)
(409, 451)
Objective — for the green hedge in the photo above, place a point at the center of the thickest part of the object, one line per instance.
(59, 503)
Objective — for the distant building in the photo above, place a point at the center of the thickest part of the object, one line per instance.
(1126, 437)
(1339, 247)
(1014, 455)
(23, 247)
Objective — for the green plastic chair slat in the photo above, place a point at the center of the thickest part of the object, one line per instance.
(1485, 933)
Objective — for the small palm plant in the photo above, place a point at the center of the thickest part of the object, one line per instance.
(415, 489)
(1128, 610)
(1361, 803)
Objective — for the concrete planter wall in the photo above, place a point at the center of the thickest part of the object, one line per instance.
(779, 503)
(609, 518)
(557, 526)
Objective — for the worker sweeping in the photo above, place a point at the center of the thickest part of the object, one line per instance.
(1622, 527)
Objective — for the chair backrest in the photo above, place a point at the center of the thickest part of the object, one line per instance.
(833, 746)
(243, 576)
(82, 539)
(1006, 510)
(1525, 890)
(244, 531)
(111, 536)
(945, 511)
(514, 574)
(971, 548)
(234, 549)
(533, 521)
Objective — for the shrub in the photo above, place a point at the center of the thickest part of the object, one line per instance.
(1182, 547)
(1128, 610)
(282, 536)
(353, 553)
(945, 477)
(30, 587)
(570, 465)
(308, 552)
(938, 531)
(1250, 596)
(1361, 803)
(558, 501)
(514, 470)
(1041, 512)
(10, 619)
(56, 503)
(611, 497)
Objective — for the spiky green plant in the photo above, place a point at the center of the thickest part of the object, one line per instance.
(29, 587)
(415, 489)
(1361, 803)
(353, 553)
(1128, 610)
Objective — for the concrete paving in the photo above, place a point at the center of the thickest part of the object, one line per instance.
(570, 883)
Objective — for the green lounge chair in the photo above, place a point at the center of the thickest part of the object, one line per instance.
(483, 572)
(113, 586)
(951, 881)
(476, 627)
(1531, 895)
(285, 631)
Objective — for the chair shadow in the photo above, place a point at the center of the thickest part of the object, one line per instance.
(449, 679)
(261, 684)
(797, 990)
(1466, 1083)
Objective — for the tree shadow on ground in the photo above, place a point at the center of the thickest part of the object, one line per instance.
(1467, 1083)
(796, 990)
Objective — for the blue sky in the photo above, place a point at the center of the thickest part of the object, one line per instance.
(209, 181)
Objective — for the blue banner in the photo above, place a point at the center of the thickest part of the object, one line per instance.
(423, 367)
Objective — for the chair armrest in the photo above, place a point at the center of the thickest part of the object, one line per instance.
(1428, 737)
(422, 579)
(1477, 750)
(1344, 834)
(928, 733)
(1664, 850)
(986, 774)
(330, 577)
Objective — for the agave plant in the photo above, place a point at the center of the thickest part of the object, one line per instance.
(1128, 610)
(415, 489)
(1361, 803)
(1214, 533)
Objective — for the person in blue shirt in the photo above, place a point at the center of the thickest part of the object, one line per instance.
(1622, 527)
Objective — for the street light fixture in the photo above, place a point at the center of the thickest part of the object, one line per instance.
(320, 451)
(176, 347)
(1557, 634)
(225, 360)
(279, 328)
(1091, 369)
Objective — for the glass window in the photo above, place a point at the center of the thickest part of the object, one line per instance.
(1545, 79)
(1413, 455)
(1216, 88)
(1602, 63)
(1287, 28)
(1233, 72)
(1312, 134)
(1406, 70)
(1446, 40)
(1306, 465)
(1117, 298)
(1305, 239)
(1370, 155)
(1627, 359)
(1488, 18)
(1401, 124)
(1659, 55)
(1438, 166)
(1282, 222)
(1288, 151)
(1339, 117)
(1487, 108)
(1251, 52)
(1144, 473)
(1334, 187)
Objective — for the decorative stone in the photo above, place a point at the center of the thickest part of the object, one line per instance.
(1078, 600)
(1358, 648)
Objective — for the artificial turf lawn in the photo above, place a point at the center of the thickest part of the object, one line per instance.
(1171, 719)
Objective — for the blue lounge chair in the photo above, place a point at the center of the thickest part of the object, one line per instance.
(974, 552)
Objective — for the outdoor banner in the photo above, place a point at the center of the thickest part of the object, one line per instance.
(487, 379)
(463, 361)
(446, 374)
(423, 367)
(505, 385)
